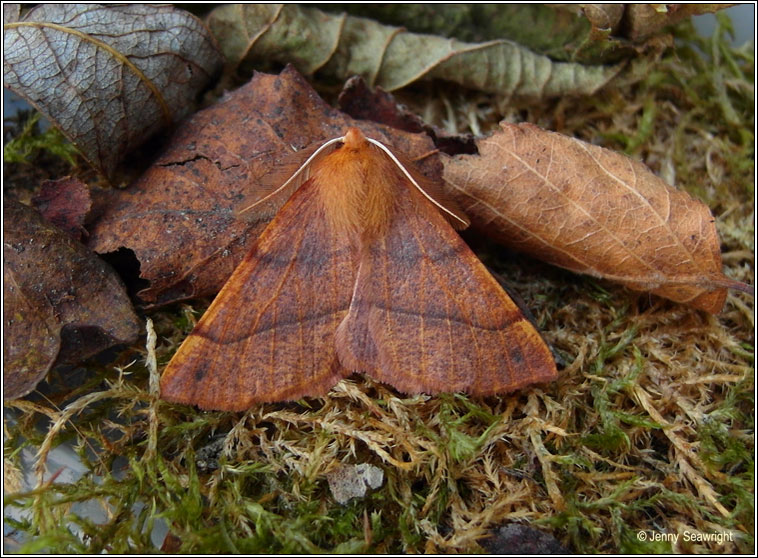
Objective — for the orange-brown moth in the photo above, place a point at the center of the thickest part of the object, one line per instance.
(360, 270)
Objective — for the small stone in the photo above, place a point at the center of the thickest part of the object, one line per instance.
(352, 481)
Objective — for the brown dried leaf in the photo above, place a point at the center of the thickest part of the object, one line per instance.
(179, 217)
(590, 210)
(31, 341)
(62, 303)
(108, 76)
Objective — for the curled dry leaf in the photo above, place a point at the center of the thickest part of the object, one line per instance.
(593, 211)
(61, 303)
(179, 216)
(108, 76)
(342, 46)
(559, 31)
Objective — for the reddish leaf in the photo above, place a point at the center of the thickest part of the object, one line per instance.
(62, 303)
(64, 203)
(179, 217)
(593, 211)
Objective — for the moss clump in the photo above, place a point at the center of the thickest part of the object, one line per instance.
(26, 143)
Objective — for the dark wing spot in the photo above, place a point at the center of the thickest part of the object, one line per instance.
(516, 355)
(200, 373)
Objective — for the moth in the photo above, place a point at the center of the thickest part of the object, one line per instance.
(360, 270)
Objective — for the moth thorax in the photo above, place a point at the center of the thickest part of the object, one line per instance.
(357, 191)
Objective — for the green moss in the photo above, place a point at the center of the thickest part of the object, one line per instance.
(27, 145)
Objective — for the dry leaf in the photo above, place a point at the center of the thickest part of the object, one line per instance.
(11, 12)
(31, 340)
(559, 31)
(62, 303)
(342, 46)
(584, 33)
(593, 211)
(108, 76)
(64, 203)
(179, 217)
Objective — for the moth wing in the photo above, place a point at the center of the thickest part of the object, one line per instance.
(426, 315)
(269, 334)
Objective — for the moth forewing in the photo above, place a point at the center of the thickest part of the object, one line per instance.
(451, 214)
